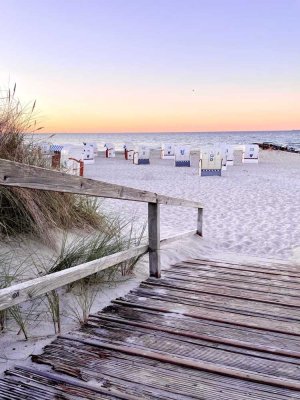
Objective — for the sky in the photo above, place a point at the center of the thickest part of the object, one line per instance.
(154, 65)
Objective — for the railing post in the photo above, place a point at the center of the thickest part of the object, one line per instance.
(200, 222)
(154, 239)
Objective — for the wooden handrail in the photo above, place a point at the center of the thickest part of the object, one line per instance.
(34, 288)
(29, 290)
(16, 174)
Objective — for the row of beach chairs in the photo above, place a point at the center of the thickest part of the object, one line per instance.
(213, 160)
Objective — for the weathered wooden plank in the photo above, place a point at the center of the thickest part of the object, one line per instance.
(256, 282)
(36, 382)
(277, 265)
(209, 314)
(215, 367)
(238, 284)
(246, 276)
(173, 201)
(214, 301)
(120, 367)
(221, 290)
(154, 239)
(31, 289)
(190, 349)
(21, 175)
(287, 344)
(180, 236)
(222, 334)
(240, 267)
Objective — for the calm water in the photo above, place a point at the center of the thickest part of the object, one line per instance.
(291, 138)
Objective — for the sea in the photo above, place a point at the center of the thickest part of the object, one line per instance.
(194, 139)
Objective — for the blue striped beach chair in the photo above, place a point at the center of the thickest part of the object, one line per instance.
(182, 156)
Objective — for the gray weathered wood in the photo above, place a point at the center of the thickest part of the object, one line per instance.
(200, 222)
(154, 239)
(173, 201)
(29, 290)
(21, 175)
(15, 174)
(179, 236)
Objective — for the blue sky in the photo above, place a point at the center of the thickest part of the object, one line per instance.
(155, 65)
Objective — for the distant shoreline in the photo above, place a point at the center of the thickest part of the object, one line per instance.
(167, 132)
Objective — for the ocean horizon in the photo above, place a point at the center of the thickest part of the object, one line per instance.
(194, 139)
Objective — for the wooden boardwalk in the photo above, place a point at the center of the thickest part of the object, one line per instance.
(205, 330)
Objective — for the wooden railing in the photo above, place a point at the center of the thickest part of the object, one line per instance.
(14, 174)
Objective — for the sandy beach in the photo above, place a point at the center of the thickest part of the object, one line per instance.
(251, 211)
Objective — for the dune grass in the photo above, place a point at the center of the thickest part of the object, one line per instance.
(41, 215)
(26, 211)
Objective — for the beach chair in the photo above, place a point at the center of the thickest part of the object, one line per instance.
(55, 152)
(210, 163)
(168, 152)
(182, 156)
(71, 165)
(95, 147)
(128, 151)
(230, 157)
(238, 151)
(110, 150)
(56, 148)
(250, 154)
(141, 155)
(87, 155)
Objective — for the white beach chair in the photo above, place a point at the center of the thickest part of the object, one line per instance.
(238, 151)
(88, 153)
(182, 156)
(168, 151)
(95, 147)
(110, 150)
(250, 154)
(210, 163)
(128, 151)
(141, 155)
(71, 165)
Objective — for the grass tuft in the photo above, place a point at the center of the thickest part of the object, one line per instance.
(35, 212)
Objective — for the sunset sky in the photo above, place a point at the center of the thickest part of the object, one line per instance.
(154, 65)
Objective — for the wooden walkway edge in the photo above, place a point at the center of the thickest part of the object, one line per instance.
(206, 330)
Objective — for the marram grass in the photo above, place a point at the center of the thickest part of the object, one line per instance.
(35, 212)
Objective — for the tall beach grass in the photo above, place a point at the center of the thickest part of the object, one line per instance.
(72, 227)
(25, 211)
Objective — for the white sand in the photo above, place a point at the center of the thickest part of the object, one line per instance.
(252, 210)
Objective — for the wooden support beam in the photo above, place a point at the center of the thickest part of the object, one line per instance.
(154, 239)
(200, 222)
